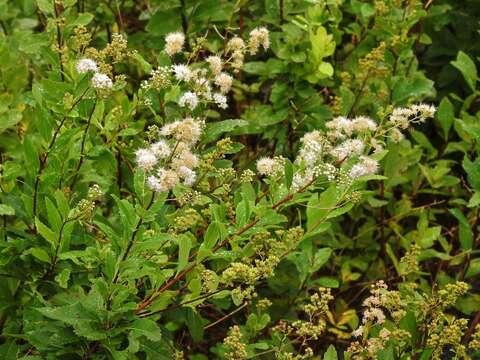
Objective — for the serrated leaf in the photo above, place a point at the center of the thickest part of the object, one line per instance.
(147, 328)
(330, 354)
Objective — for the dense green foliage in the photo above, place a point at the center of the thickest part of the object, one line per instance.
(145, 218)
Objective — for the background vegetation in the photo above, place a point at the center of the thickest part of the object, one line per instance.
(94, 265)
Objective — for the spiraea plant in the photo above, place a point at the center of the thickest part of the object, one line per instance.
(233, 180)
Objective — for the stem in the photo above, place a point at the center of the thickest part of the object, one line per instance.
(82, 148)
(225, 317)
(59, 39)
(184, 23)
(282, 12)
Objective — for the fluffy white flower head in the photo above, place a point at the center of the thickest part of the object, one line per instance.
(85, 65)
(189, 99)
(101, 81)
(182, 72)
(365, 166)
(164, 181)
(224, 82)
(161, 149)
(189, 176)
(174, 43)
(146, 159)
(259, 36)
(215, 63)
(348, 148)
(362, 124)
(220, 100)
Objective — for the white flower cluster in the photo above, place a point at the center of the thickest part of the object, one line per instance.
(270, 166)
(170, 160)
(258, 36)
(210, 82)
(99, 80)
(341, 127)
(373, 312)
(403, 117)
(341, 152)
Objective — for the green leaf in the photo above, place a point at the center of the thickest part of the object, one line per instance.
(325, 70)
(472, 168)
(46, 232)
(46, 6)
(6, 210)
(468, 69)
(165, 21)
(465, 232)
(63, 277)
(54, 218)
(211, 235)
(415, 87)
(319, 207)
(195, 325)
(215, 129)
(39, 253)
(320, 258)
(147, 328)
(242, 212)
(330, 354)
(127, 214)
(445, 116)
(473, 268)
(288, 173)
(184, 246)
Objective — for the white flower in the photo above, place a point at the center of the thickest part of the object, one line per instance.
(220, 100)
(189, 176)
(174, 43)
(340, 125)
(182, 72)
(235, 44)
(396, 135)
(258, 36)
(203, 88)
(146, 159)
(224, 82)
(164, 181)
(375, 315)
(185, 159)
(310, 152)
(348, 148)
(85, 65)
(358, 332)
(425, 110)
(101, 81)
(363, 124)
(268, 166)
(187, 131)
(215, 63)
(189, 99)
(365, 166)
(161, 149)
(265, 166)
(400, 117)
